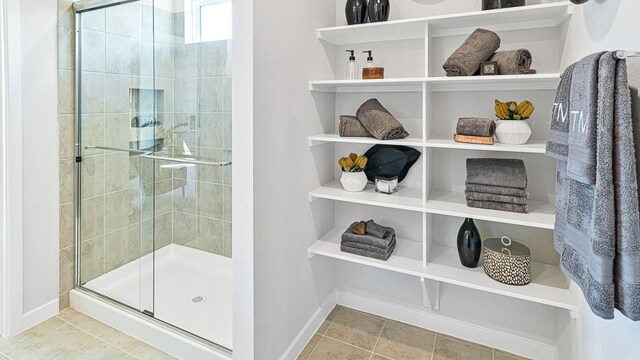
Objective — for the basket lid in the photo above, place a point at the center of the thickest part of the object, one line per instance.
(506, 246)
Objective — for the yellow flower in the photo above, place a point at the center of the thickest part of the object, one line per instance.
(353, 156)
(361, 162)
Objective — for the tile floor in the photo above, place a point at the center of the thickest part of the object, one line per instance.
(71, 335)
(354, 335)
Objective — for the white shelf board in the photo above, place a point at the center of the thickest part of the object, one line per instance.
(532, 147)
(405, 199)
(518, 18)
(335, 138)
(507, 19)
(406, 258)
(495, 82)
(377, 85)
(541, 215)
(547, 286)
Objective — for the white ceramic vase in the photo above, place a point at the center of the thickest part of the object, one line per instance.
(513, 132)
(353, 181)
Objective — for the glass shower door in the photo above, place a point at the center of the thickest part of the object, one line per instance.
(116, 102)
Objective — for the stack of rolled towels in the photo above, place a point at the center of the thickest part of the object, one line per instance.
(497, 184)
(366, 238)
(482, 46)
(475, 130)
(372, 120)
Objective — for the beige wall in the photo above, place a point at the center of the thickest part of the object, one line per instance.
(192, 203)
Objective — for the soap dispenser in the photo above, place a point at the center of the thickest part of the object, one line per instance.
(370, 70)
(352, 66)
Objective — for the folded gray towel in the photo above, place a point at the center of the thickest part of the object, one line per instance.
(383, 243)
(478, 47)
(496, 190)
(379, 121)
(369, 254)
(470, 195)
(491, 205)
(377, 230)
(581, 160)
(513, 62)
(558, 143)
(373, 249)
(350, 126)
(497, 172)
(475, 126)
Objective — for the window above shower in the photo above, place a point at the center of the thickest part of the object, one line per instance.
(207, 20)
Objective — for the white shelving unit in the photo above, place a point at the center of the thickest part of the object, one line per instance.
(431, 262)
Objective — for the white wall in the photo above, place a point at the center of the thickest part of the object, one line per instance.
(286, 55)
(30, 162)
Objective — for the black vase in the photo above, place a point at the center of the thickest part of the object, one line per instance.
(469, 244)
(379, 10)
(356, 11)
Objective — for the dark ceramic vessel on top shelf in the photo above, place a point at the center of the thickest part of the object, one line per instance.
(379, 10)
(499, 4)
(469, 244)
(356, 11)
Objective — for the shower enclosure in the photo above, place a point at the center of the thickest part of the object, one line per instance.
(153, 151)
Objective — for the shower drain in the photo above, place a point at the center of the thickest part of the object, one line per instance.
(198, 300)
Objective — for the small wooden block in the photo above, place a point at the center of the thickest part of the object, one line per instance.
(473, 139)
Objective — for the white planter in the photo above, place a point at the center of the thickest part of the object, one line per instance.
(353, 181)
(513, 132)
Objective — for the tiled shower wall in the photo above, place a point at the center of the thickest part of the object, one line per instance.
(192, 204)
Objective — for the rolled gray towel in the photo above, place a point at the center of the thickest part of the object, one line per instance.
(478, 47)
(382, 243)
(369, 254)
(476, 196)
(377, 230)
(379, 121)
(475, 126)
(496, 190)
(350, 126)
(497, 172)
(370, 248)
(513, 62)
(491, 205)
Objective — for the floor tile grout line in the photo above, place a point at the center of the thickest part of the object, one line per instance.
(378, 339)
(315, 347)
(39, 337)
(346, 343)
(433, 349)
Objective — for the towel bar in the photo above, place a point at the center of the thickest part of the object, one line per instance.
(149, 155)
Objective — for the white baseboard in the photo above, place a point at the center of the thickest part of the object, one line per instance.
(312, 326)
(150, 332)
(478, 334)
(40, 314)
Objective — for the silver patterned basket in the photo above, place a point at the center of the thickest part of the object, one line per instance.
(507, 261)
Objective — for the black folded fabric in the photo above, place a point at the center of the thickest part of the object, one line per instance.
(390, 160)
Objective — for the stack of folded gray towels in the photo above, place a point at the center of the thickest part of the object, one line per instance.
(481, 46)
(372, 120)
(497, 184)
(366, 238)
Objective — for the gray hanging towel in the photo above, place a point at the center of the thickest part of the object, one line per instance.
(581, 160)
(478, 47)
(600, 245)
(513, 62)
(558, 143)
(627, 259)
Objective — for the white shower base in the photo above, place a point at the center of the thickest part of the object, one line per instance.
(182, 274)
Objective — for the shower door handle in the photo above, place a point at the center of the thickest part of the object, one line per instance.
(148, 155)
(186, 161)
